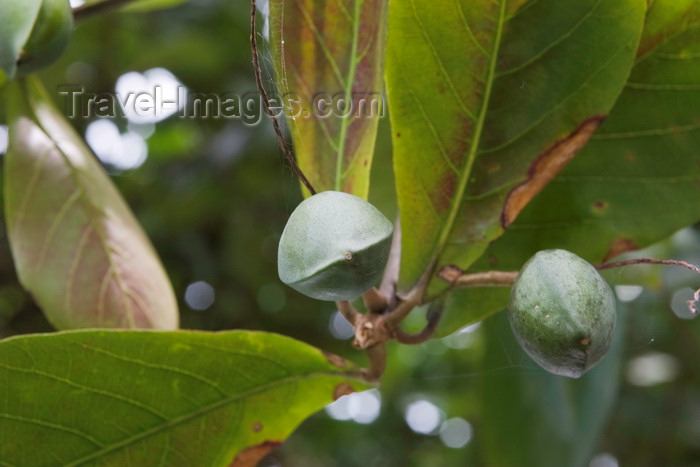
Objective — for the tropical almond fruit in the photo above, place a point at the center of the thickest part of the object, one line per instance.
(562, 312)
(335, 246)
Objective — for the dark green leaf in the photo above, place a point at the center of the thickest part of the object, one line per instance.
(77, 247)
(489, 101)
(636, 182)
(331, 49)
(140, 398)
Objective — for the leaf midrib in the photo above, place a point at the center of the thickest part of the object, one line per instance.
(349, 82)
(87, 203)
(200, 412)
(473, 149)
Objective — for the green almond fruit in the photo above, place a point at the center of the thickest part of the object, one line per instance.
(562, 312)
(335, 246)
(49, 37)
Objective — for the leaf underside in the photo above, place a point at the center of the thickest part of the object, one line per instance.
(326, 49)
(76, 245)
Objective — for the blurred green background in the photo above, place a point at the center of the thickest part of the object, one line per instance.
(214, 195)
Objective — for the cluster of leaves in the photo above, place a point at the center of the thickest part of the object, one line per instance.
(488, 104)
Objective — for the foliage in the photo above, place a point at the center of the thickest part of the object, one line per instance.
(515, 126)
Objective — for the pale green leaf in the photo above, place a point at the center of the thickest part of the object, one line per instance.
(76, 245)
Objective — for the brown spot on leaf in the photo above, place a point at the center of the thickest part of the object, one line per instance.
(546, 166)
(619, 246)
(630, 157)
(257, 427)
(335, 360)
(342, 389)
(251, 456)
(600, 206)
(443, 192)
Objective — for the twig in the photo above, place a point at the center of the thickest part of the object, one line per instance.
(693, 304)
(286, 151)
(459, 278)
(666, 262)
(377, 362)
(424, 334)
(348, 311)
(89, 10)
(374, 301)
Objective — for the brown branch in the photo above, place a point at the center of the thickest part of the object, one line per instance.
(374, 300)
(348, 311)
(459, 278)
(666, 262)
(693, 304)
(89, 10)
(377, 362)
(286, 151)
(421, 336)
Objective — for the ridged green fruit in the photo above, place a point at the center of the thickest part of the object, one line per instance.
(334, 247)
(49, 37)
(562, 312)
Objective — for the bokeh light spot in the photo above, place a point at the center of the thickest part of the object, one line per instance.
(456, 432)
(651, 369)
(339, 327)
(122, 151)
(422, 416)
(199, 296)
(361, 407)
(628, 293)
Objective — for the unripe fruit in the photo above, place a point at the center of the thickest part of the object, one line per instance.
(562, 312)
(334, 247)
(49, 37)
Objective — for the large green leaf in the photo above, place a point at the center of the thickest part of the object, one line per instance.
(535, 418)
(331, 49)
(636, 182)
(16, 23)
(77, 247)
(489, 100)
(140, 398)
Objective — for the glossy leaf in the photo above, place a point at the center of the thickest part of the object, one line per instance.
(16, 23)
(330, 52)
(156, 398)
(76, 245)
(547, 420)
(489, 101)
(636, 182)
